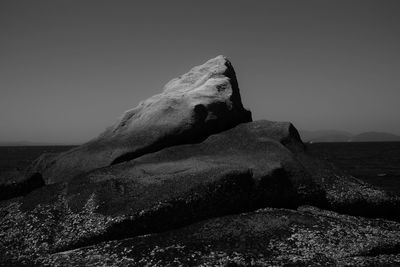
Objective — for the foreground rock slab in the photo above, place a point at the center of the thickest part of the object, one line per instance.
(267, 237)
(204, 101)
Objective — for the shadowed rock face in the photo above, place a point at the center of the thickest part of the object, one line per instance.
(204, 101)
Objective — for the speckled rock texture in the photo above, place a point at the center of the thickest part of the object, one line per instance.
(204, 101)
(177, 182)
(266, 237)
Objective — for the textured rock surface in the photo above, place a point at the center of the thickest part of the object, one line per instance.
(254, 165)
(238, 170)
(204, 101)
(268, 237)
(179, 158)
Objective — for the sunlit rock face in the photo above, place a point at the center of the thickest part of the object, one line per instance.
(204, 101)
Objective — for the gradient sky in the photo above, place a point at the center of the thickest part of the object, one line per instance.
(69, 68)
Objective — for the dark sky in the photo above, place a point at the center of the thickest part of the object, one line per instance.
(69, 68)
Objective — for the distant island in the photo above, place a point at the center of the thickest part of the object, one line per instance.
(342, 136)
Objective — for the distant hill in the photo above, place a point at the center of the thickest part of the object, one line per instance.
(375, 137)
(325, 136)
(342, 136)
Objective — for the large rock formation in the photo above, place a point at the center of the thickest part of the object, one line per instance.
(254, 165)
(244, 168)
(159, 185)
(204, 101)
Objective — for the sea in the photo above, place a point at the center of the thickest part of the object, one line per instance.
(377, 163)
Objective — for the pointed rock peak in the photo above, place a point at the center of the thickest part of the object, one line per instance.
(216, 77)
(200, 88)
(215, 67)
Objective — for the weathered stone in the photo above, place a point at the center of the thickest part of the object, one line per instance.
(238, 170)
(204, 101)
(188, 155)
(254, 165)
(267, 237)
